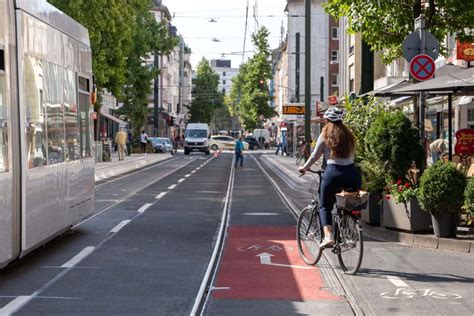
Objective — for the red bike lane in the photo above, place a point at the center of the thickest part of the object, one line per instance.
(263, 263)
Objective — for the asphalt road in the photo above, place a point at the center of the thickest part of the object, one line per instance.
(147, 252)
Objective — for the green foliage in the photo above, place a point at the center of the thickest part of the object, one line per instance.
(360, 115)
(469, 200)
(384, 24)
(373, 177)
(392, 142)
(248, 97)
(402, 192)
(441, 188)
(206, 96)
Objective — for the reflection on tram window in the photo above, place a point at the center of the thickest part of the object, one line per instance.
(3, 125)
(35, 112)
(84, 106)
(73, 150)
(54, 113)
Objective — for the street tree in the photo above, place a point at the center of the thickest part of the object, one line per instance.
(149, 38)
(249, 97)
(206, 97)
(384, 24)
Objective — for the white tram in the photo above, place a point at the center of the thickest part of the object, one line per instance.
(46, 130)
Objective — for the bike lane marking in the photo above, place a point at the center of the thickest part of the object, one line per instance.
(249, 273)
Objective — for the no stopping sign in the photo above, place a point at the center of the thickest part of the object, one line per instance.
(422, 67)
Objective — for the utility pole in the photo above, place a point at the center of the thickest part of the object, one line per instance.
(307, 77)
(297, 68)
(422, 94)
(155, 98)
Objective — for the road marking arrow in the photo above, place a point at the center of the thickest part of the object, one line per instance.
(265, 258)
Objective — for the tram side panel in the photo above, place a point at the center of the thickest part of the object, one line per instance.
(58, 172)
(9, 215)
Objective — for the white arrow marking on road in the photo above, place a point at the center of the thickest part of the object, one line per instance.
(265, 258)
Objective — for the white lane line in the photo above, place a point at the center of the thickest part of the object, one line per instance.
(162, 194)
(171, 187)
(119, 226)
(14, 305)
(198, 168)
(261, 214)
(188, 175)
(194, 171)
(79, 257)
(220, 288)
(396, 281)
(181, 180)
(208, 192)
(144, 207)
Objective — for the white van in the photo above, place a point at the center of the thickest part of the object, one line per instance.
(196, 138)
(262, 136)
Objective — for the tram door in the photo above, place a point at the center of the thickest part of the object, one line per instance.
(9, 229)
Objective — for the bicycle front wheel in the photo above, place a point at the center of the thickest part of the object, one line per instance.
(351, 245)
(308, 235)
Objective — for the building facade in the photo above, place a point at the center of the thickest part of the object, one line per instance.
(223, 67)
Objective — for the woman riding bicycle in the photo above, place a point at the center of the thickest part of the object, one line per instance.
(337, 144)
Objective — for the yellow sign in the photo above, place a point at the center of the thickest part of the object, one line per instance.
(293, 109)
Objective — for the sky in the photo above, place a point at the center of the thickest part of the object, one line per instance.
(226, 36)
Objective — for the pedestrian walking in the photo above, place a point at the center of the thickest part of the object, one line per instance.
(143, 141)
(278, 145)
(239, 152)
(121, 141)
(176, 142)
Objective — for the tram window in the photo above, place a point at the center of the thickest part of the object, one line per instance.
(54, 112)
(84, 123)
(3, 125)
(2, 60)
(35, 112)
(73, 150)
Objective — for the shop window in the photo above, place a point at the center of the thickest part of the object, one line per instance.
(36, 144)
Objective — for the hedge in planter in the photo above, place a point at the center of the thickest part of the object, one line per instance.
(393, 142)
(441, 193)
(469, 201)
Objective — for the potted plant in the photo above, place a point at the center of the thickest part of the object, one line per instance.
(373, 181)
(469, 202)
(393, 142)
(361, 113)
(442, 194)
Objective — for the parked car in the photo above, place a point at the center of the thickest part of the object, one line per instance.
(161, 144)
(253, 143)
(224, 142)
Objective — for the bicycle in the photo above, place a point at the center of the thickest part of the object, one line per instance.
(348, 240)
(302, 154)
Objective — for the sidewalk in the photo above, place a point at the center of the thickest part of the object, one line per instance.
(104, 170)
(286, 170)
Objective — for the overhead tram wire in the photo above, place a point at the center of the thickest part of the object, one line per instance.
(245, 34)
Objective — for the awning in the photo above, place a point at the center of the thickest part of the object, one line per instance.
(115, 119)
(387, 90)
(461, 82)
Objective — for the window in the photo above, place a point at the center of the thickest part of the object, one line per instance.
(223, 91)
(54, 112)
(223, 74)
(351, 85)
(470, 115)
(223, 82)
(71, 120)
(335, 33)
(35, 124)
(351, 43)
(3, 119)
(335, 80)
(335, 55)
(84, 116)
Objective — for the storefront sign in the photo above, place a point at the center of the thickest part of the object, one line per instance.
(464, 142)
(465, 51)
(293, 110)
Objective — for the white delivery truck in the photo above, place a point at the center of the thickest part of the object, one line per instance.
(196, 138)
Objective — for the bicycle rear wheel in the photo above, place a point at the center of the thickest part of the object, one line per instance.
(351, 244)
(308, 235)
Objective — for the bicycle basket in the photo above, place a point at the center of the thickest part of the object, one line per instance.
(352, 200)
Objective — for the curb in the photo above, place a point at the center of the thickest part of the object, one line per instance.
(423, 241)
(125, 167)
